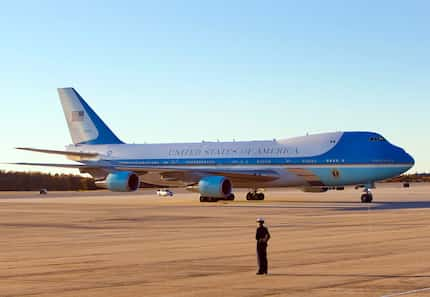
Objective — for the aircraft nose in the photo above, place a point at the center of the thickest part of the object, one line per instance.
(409, 159)
(406, 158)
(402, 157)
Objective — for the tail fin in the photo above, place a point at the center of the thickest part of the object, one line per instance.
(85, 126)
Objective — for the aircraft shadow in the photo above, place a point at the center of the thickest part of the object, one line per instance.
(390, 206)
(338, 205)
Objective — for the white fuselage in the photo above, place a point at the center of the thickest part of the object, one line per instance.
(291, 159)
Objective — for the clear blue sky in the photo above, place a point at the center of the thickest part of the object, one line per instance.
(167, 71)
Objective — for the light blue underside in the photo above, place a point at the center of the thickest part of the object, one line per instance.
(356, 175)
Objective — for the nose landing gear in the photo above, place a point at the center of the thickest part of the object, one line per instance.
(367, 196)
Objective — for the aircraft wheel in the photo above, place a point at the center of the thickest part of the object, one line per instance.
(254, 196)
(230, 197)
(366, 198)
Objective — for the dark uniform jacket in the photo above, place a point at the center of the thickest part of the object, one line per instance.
(262, 235)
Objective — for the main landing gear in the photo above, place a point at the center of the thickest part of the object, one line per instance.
(255, 196)
(230, 197)
(367, 196)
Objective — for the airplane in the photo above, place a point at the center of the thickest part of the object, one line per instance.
(314, 163)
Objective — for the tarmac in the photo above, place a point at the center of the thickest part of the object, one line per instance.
(137, 244)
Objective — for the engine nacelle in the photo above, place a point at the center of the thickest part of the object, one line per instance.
(315, 189)
(215, 186)
(120, 181)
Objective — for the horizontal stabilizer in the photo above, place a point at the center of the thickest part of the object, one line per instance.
(78, 166)
(64, 153)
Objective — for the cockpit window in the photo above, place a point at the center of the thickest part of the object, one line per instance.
(377, 138)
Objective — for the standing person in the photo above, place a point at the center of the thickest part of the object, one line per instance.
(262, 236)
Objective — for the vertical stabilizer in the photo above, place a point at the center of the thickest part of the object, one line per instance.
(85, 125)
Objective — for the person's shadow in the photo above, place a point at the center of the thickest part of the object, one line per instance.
(383, 275)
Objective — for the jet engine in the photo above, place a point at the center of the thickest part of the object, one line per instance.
(213, 186)
(120, 181)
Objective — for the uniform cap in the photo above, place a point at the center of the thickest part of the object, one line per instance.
(260, 220)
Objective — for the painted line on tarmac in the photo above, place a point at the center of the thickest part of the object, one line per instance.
(407, 292)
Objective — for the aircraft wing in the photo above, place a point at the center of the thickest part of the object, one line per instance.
(195, 174)
(185, 174)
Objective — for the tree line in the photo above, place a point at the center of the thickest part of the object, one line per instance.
(34, 181)
(410, 178)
